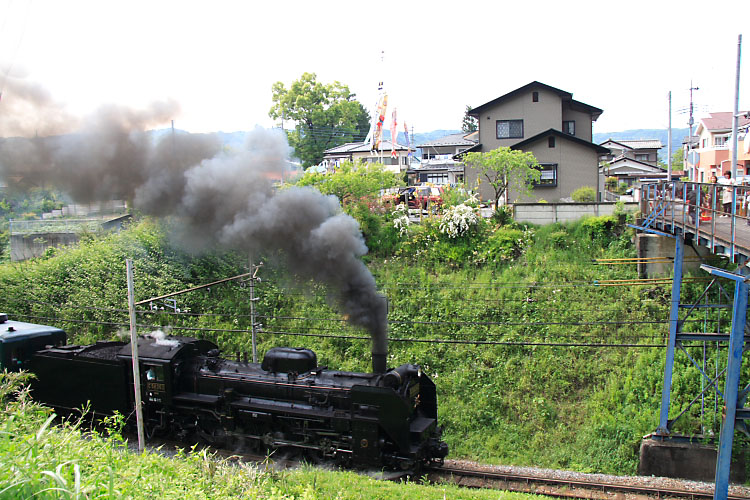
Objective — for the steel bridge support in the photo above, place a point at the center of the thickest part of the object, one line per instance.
(736, 341)
(732, 386)
(674, 324)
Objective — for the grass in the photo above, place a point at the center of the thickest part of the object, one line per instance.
(42, 460)
(581, 408)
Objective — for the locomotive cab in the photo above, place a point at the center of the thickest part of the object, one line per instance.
(160, 364)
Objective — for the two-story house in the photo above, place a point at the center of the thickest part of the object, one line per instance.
(553, 126)
(714, 134)
(361, 152)
(438, 165)
(631, 160)
(643, 150)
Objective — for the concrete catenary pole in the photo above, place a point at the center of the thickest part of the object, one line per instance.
(735, 114)
(134, 352)
(253, 316)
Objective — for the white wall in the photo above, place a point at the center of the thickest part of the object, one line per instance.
(548, 213)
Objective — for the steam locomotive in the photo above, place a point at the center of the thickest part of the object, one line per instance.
(386, 419)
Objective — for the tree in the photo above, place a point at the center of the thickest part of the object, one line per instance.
(325, 115)
(506, 168)
(678, 159)
(470, 123)
(352, 182)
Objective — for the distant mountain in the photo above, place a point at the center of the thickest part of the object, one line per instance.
(678, 134)
(237, 139)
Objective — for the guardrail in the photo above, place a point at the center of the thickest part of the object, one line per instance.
(717, 213)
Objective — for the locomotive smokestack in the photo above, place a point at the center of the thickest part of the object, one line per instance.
(379, 359)
(380, 351)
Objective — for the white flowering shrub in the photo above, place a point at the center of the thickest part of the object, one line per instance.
(458, 220)
(401, 219)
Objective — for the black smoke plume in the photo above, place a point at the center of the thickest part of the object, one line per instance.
(219, 195)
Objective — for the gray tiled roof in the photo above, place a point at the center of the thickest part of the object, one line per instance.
(362, 147)
(643, 144)
(449, 140)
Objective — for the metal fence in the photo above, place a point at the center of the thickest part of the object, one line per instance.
(717, 213)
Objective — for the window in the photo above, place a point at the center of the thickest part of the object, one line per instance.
(551, 141)
(535, 96)
(642, 157)
(438, 179)
(510, 129)
(720, 141)
(549, 175)
(569, 127)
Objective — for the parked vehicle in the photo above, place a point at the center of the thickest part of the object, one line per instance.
(429, 196)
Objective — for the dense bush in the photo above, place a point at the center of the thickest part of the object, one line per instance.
(458, 221)
(504, 245)
(584, 194)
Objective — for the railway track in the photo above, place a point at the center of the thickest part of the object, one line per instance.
(556, 487)
(485, 478)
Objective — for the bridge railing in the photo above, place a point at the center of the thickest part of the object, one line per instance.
(711, 210)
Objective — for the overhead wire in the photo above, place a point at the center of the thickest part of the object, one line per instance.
(391, 339)
(395, 321)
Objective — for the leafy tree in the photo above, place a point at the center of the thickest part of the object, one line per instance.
(678, 159)
(326, 115)
(506, 168)
(352, 182)
(470, 123)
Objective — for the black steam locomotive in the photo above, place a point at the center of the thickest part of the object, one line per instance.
(384, 419)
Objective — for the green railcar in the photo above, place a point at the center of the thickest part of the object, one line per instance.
(19, 341)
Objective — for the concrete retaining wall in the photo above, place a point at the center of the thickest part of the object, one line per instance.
(27, 246)
(547, 213)
(650, 246)
(685, 460)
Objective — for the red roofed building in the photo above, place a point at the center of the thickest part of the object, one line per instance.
(714, 137)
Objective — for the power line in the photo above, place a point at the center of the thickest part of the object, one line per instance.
(355, 337)
(391, 322)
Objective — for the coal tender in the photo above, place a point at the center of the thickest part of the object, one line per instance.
(386, 419)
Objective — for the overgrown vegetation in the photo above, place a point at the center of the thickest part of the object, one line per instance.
(39, 459)
(508, 319)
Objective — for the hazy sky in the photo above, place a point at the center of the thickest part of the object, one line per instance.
(219, 59)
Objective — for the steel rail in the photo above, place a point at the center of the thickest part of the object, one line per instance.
(558, 487)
